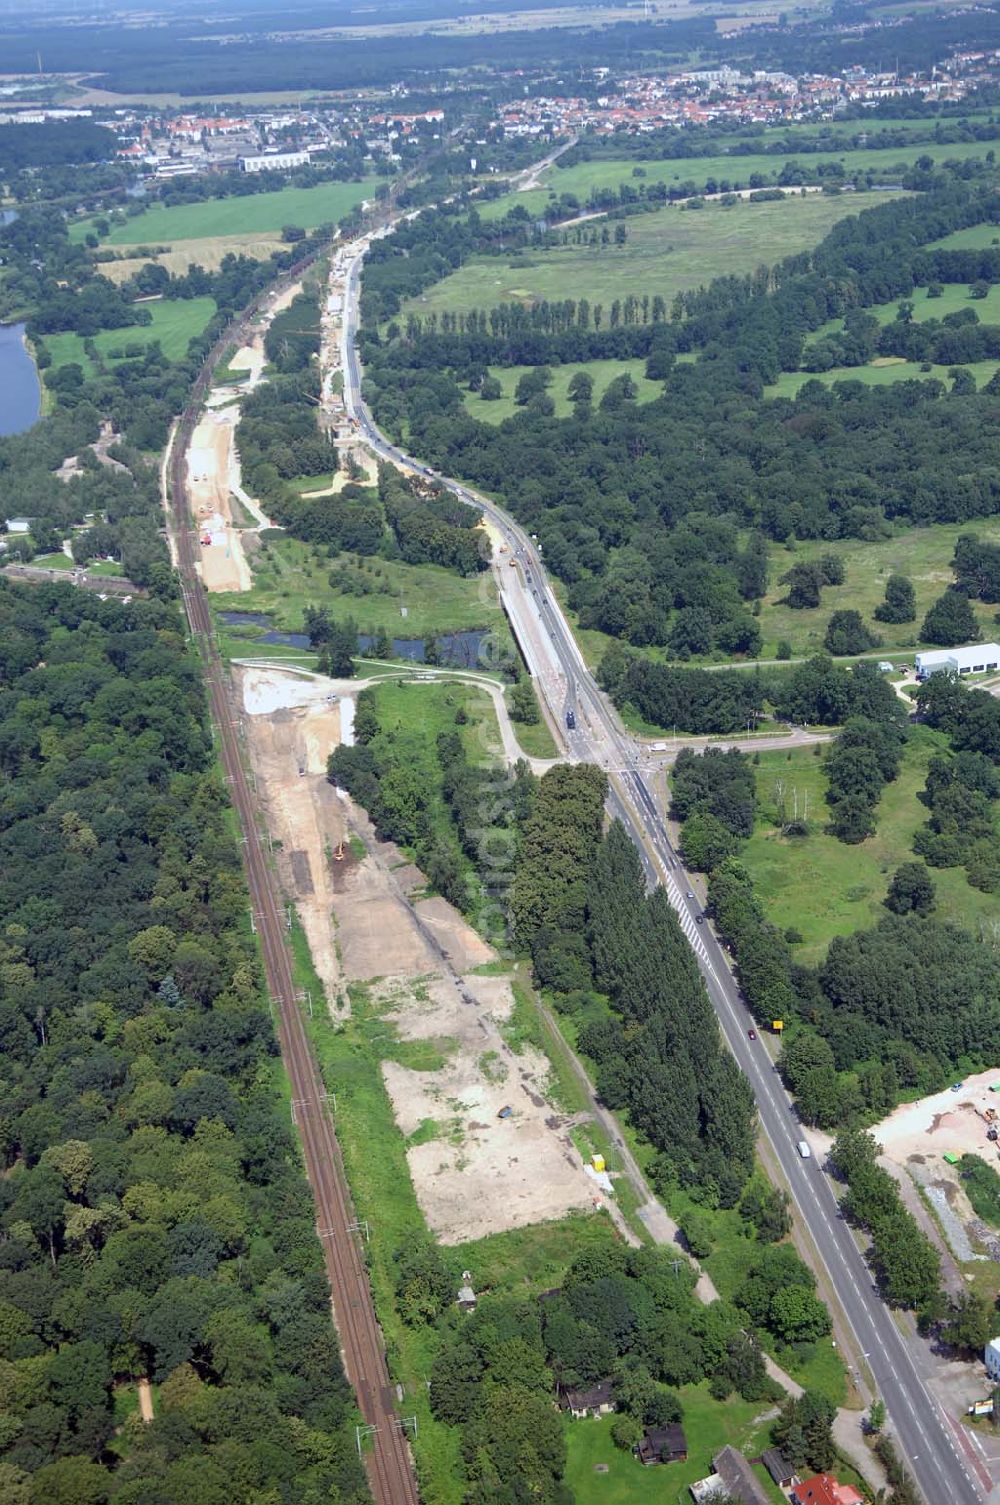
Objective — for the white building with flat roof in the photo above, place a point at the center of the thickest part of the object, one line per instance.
(275, 161)
(991, 1358)
(977, 658)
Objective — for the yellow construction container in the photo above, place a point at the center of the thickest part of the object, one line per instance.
(598, 1162)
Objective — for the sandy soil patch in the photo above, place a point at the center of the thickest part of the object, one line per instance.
(474, 1173)
(375, 930)
(464, 947)
(915, 1139)
(210, 459)
(946, 1122)
(292, 729)
(250, 358)
(478, 1173)
(284, 300)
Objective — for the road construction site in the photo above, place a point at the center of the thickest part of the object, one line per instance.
(927, 1140)
(214, 476)
(368, 919)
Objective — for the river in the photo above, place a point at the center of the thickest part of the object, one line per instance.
(20, 388)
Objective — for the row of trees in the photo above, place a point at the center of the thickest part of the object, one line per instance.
(905, 1262)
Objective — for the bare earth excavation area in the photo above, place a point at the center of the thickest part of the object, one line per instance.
(210, 460)
(474, 1172)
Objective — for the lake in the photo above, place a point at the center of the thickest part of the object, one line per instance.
(20, 388)
(455, 648)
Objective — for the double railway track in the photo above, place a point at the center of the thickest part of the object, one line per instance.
(388, 1460)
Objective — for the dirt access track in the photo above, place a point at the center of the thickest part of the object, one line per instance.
(473, 1172)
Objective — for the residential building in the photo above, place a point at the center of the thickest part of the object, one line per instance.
(823, 1489)
(992, 1353)
(594, 1400)
(975, 658)
(779, 1468)
(733, 1477)
(662, 1445)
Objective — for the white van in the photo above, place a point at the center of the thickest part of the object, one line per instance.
(804, 1150)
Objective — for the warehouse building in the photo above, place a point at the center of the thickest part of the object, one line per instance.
(977, 658)
(275, 161)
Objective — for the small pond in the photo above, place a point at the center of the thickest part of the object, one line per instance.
(457, 649)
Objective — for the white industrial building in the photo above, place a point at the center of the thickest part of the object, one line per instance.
(275, 161)
(977, 658)
(991, 1358)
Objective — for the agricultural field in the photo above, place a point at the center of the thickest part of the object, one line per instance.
(248, 214)
(175, 324)
(289, 575)
(820, 887)
(667, 252)
(602, 372)
(708, 1426)
(923, 554)
(881, 372)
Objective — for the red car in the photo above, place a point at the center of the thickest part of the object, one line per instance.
(751, 1034)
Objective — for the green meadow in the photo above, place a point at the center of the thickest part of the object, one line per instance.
(175, 323)
(668, 251)
(244, 214)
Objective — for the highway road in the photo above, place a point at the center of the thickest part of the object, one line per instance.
(939, 1456)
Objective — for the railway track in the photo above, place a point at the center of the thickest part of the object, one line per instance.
(388, 1460)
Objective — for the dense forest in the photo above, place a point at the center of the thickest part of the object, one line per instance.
(156, 1221)
(643, 509)
(54, 144)
(190, 60)
(114, 491)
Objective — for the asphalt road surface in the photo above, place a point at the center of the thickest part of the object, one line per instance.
(940, 1458)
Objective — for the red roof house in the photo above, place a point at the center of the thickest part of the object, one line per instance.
(823, 1489)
